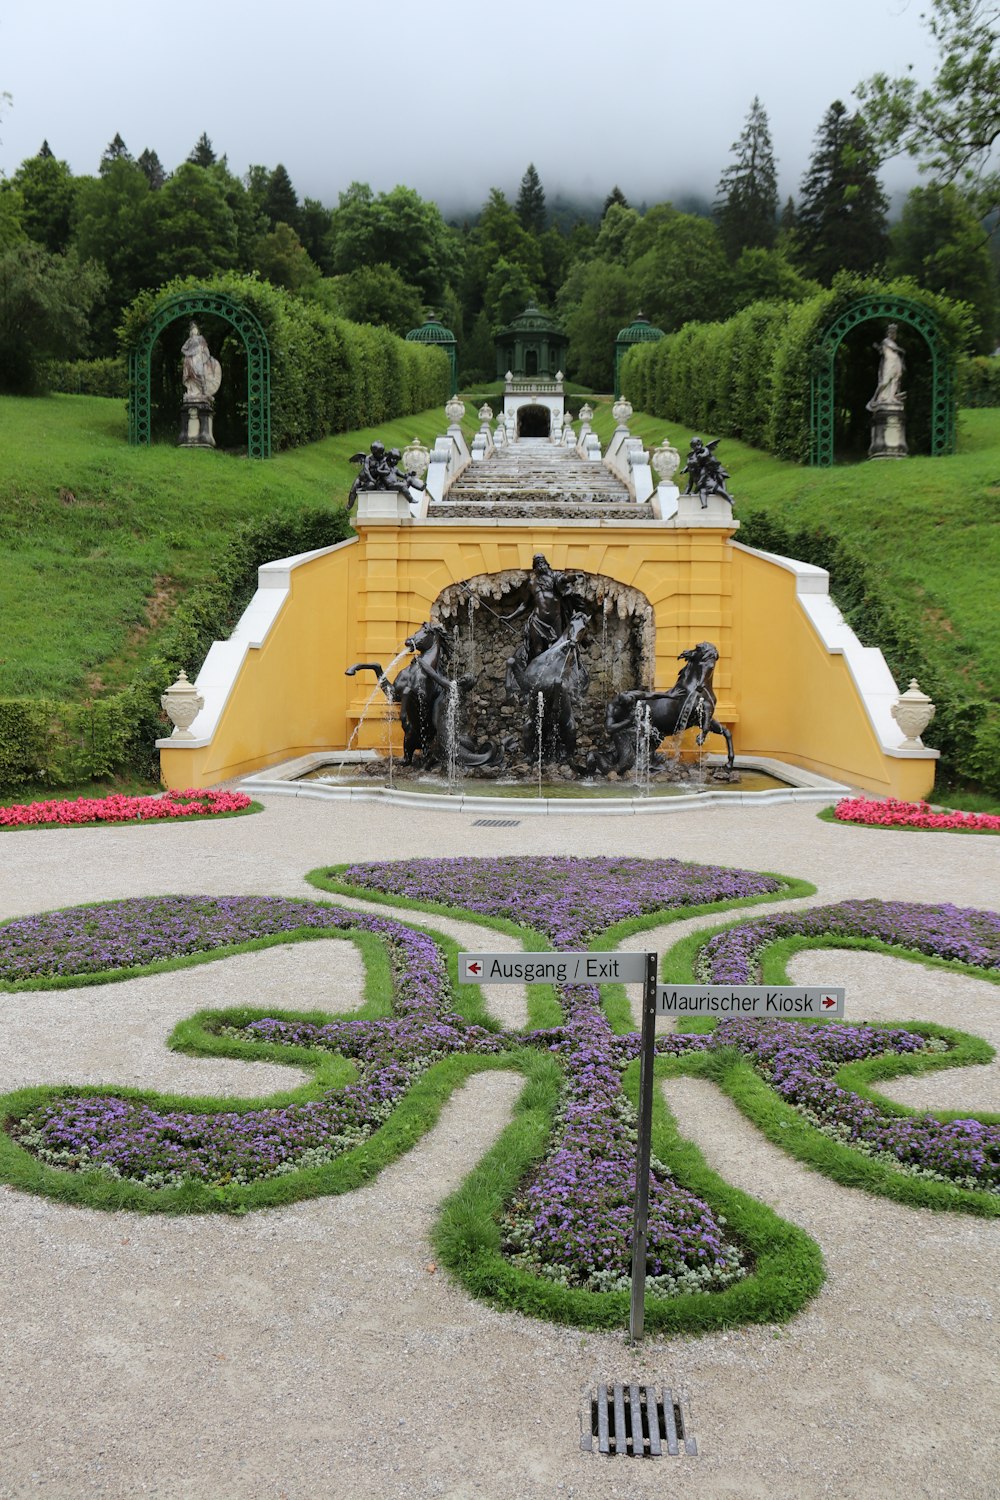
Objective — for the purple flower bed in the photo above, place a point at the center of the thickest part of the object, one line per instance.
(944, 931)
(569, 900)
(572, 1220)
(799, 1061)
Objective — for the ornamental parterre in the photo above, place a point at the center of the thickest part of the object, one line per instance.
(572, 1221)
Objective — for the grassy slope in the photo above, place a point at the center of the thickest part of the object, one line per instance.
(929, 523)
(98, 538)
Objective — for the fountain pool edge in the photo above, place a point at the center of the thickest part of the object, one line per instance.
(801, 786)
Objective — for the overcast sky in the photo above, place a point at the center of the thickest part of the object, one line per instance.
(448, 99)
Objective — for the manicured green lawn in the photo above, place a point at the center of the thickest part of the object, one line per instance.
(99, 539)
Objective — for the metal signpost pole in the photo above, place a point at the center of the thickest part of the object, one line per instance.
(639, 1225)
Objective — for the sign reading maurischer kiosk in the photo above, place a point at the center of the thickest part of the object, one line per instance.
(724, 1001)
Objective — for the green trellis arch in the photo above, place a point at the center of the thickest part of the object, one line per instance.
(190, 305)
(862, 310)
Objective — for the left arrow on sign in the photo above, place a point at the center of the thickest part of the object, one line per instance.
(475, 968)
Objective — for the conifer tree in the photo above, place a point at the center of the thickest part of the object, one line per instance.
(45, 150)
(615, 196)
(153, 168)
(281, 203)
(115, 150)
(530, 206)
(203, 154)
(747, 206)
(841, 221)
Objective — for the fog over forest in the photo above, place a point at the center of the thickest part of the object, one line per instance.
(453, 103)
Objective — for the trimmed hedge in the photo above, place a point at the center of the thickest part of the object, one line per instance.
(327, 375)
(979, 381)
(749, 376)
(88, 377)
(46, 743)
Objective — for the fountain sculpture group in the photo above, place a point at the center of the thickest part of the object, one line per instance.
(547, 686)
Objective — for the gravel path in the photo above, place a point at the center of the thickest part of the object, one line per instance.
(316, 1352)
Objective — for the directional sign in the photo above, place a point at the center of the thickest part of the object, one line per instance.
(788, 1002)
(552, 968)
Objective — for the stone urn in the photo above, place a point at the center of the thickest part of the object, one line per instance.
(182, 703)
(586, 412)
(454, 410)
(485, 412)
(913, 711)
(666, 461)
(622, 411)
(416, 457)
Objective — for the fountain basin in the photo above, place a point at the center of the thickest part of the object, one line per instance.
(331, 777)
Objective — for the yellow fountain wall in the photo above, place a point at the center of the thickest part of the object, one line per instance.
(780, 691)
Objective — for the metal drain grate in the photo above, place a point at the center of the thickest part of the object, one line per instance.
(631, 1419)
(496, 822)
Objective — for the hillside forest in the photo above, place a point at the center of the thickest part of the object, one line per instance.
(75, 251)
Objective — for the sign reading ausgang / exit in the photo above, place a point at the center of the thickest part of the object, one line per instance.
(552, 968)
(748, 1000)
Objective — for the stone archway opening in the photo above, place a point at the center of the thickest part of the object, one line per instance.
(534, 422)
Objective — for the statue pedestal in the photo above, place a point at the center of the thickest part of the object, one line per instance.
(888, 431)
(196, 423)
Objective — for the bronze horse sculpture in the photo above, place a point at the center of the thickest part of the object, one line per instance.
(690, 702)
(422, 690)
(550, 685)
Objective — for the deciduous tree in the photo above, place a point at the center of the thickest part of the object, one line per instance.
(45, 301)
(48, 191)
(952, 125)
(941, 243)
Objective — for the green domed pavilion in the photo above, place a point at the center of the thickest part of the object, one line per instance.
(532, 347)
(639, 331)
(433, 332)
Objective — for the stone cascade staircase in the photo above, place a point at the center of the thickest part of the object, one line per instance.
(533, 479)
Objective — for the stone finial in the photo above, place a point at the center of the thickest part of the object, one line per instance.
(622, 411)
(666, 461)
(454, 410)
(586, 412)
(913, 711)
(559, 377)
(182, 703)
(485, 412)
(416, 457)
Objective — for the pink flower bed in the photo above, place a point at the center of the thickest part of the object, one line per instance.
(195, 802)
(891, 813)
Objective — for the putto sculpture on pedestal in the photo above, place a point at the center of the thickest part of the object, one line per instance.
(379, 470)
(706, 476)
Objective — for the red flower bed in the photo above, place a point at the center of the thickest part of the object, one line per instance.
(891, 813)
(195, 802)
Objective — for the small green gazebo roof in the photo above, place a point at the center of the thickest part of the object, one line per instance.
(431, 332)
(639, 331)
(532, 320)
